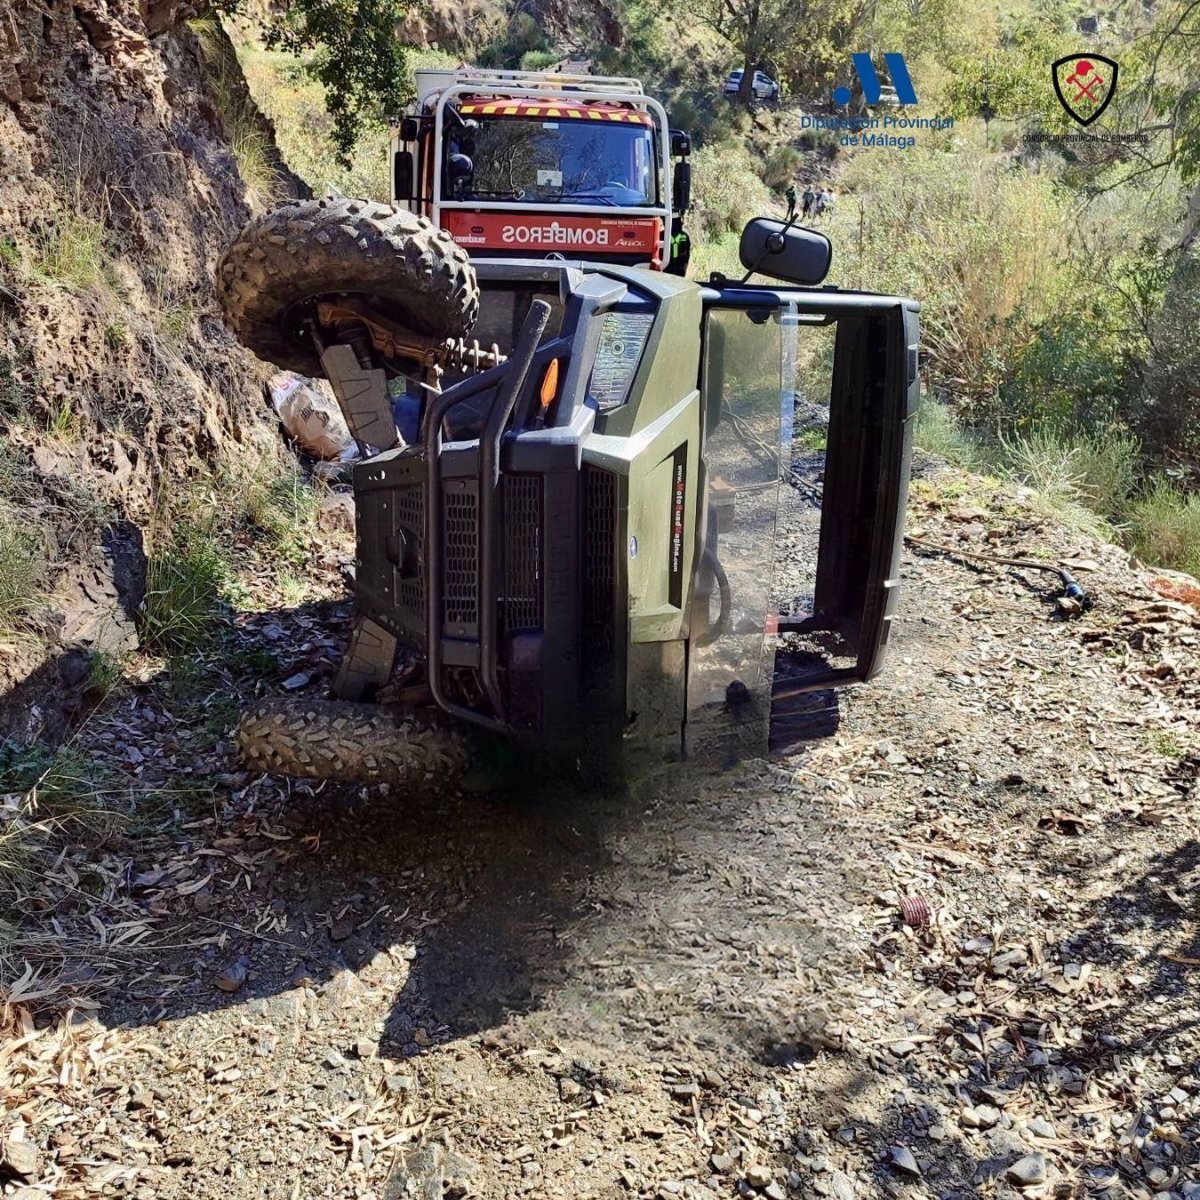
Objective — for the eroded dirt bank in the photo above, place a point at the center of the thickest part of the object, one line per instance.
(119, 188)
(703, 989)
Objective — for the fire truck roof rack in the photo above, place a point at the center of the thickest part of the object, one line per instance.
(548, 81)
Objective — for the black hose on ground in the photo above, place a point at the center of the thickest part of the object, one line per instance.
(1071, 587)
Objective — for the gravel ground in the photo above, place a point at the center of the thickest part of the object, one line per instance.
(704, 988)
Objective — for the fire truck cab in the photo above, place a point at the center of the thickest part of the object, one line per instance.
(530, 164)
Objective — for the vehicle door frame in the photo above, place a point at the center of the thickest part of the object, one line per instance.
(898, 400)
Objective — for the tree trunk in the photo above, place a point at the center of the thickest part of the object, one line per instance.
(1191, 222)
(746, 91)
(749, 56)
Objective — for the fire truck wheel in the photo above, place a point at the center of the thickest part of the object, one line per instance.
(361, 743)
(304, 249)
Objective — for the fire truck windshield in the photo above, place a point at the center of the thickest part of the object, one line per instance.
(542, 161)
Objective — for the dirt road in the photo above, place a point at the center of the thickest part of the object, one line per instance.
(701, 989)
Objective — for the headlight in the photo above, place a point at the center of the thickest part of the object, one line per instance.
(622, 340)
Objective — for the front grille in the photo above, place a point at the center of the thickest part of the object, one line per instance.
(460, 599)
(410, 583)
(599, 531)
(521, 600)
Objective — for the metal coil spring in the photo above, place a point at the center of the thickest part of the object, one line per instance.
(468, 356)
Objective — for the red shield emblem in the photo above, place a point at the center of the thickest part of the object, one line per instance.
(1085, 84)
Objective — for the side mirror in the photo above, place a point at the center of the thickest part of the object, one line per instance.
(681, 188)
(409, 128)
(402, 180)
(785, 251)
(681, 144)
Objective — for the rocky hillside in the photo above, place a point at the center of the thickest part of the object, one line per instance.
(119, 187)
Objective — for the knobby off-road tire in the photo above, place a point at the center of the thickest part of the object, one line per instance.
(364, 743)
(304, 249)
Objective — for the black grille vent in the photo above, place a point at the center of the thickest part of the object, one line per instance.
(461, 525)
(410, 517)
(521, 603)
(599, 530)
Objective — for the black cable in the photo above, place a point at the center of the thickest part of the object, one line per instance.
(1071, 587)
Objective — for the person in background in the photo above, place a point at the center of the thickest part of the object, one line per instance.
(819, 203)
(790, 195)
(807, 199)
(830, 200)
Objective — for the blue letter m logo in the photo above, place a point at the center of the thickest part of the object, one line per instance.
(865, 68)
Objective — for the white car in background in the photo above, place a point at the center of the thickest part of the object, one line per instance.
(763, 87)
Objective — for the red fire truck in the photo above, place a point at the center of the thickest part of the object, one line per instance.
(533, 164)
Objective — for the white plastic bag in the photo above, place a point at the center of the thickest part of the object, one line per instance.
(311, 416)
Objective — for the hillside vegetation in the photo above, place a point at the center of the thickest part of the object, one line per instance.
(1058, 280)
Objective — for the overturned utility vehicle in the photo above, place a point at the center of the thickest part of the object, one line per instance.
(612, 515)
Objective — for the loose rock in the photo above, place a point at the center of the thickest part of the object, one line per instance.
(758, 1176)
(1027, 1171)
(21, 1158)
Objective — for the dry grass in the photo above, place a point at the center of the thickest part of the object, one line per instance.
(1165, 527)
(22, 567)
(73, 252)
(185, 575)
(245, 133)
(938, 431)
(295, 103)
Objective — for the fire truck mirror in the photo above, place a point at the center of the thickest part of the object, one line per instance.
(408, 129)
(403, 180)
(681, 189)
(681, 144)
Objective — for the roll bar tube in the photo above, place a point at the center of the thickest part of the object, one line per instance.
(516, 372)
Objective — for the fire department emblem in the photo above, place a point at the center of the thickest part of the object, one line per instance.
(1085, 84)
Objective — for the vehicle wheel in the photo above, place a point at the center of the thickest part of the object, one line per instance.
(362, 743)
(305, 249)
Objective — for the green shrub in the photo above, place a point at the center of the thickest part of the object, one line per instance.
(105, 671)
(984, 247)
(1055, 468)
(781, 167)
(695, 115)
(1165, 527)
(539, 60)
(938, 431)
(1108, 468)
(523, 35)
(1170, 416)
(726, 190)
(184, 580)
(716, 252)
(1096, 470)
(275, 502)
(295, 104)
(1075, 372)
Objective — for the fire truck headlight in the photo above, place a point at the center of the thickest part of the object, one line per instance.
(622, 340)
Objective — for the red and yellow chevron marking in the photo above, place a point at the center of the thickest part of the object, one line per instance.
(550, 110)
